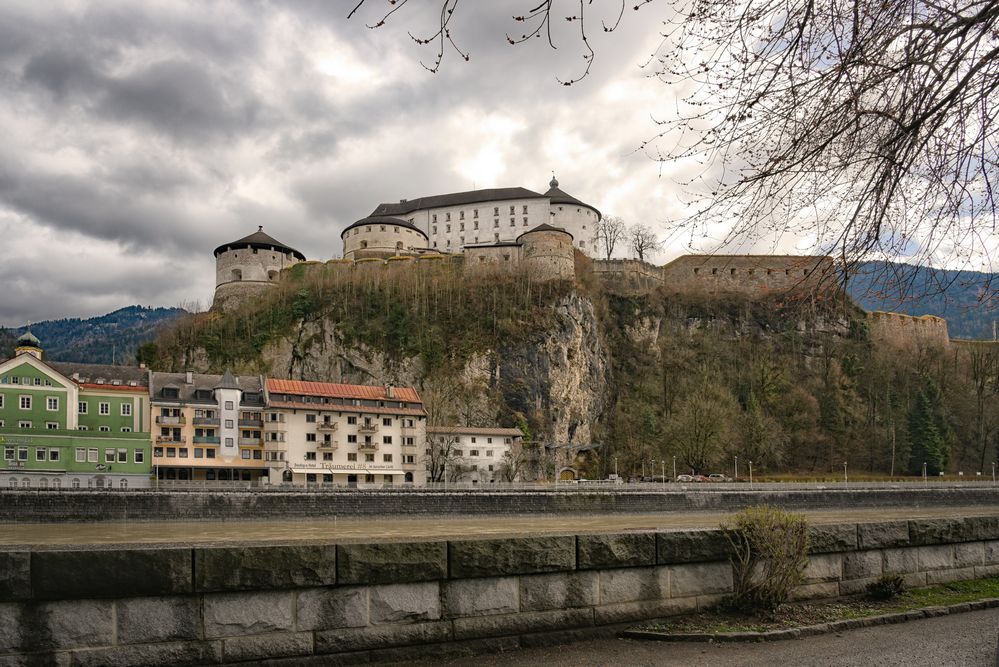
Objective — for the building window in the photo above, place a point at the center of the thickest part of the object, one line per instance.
(109, 456)
(81, 455)
(351, 420)
(473, 439)
(310, 456)
(369, 458)
(24, 424)
(105, 429)
(386, 421)
(209, 452)
(123, 455)
(495, 222)
(22, 453)
(352, 456)
(473, 452)
(104, 409)
(310, 419)
(51, 403)
(25, 402)
(310, 437)
(386, 439)
(327, 456)
(434, 229)
(461, 216)
(126, 409)
(138, 456)
(386, 458)
(52, 426)
(447, 217)
(229, 423)
(81, 407)
(199, 452)
(435, 217)
(525, 222)
(228, 405)
(53, 454)
(351, 438)
(244, 454)
(40, 453)
(126, 429)
(228, 442)
(92, 455)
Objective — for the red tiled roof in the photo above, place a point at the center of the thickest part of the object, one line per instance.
(304, 388)
(475, 430)
(113, 387)
(327, 407)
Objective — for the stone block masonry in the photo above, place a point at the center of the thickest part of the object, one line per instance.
(349, 603)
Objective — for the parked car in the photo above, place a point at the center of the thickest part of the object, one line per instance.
(684, 479)
(718, 477)
(701, 478)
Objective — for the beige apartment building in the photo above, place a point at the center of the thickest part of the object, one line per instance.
(207, 427)
(475, 454)
(320, 432)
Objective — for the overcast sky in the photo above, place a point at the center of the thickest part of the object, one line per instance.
(139, 136)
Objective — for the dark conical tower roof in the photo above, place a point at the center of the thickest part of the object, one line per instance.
(28, 339)
(259, 239)
(228, 381)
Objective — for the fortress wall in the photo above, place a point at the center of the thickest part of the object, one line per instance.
(492, 258)
(628, 274)
(908, 331)
(380, 240)
(355, 603)
(754, 276)
(245, 273)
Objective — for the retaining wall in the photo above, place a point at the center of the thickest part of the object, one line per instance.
(351, 603)
(33, 506)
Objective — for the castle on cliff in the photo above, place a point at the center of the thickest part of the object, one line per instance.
(506, 229)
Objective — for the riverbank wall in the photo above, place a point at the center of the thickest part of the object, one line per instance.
(331, 603)
(38, 506)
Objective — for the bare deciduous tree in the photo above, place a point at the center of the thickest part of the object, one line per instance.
(643, 240)
(866, 126)
(610, 231)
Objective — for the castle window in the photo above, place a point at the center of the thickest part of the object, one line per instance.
(506, 258)
(435, 217)
(476, 239)
(435, 229)
(449, 243)
(382, 228)
(364, 244)
(461, 215)
(806, 272)
(513, 209)
(447, 216)
(398, 245)
(272, 275)
(495, 222)
(582, 244)
(513, 221)
(475, 212)
(410, 221)
(525, 222)
(696, 270)
(237, 274)
(770, 272)
(476, 225)
(481, 259)
(461, 227)
(787, 272)
(254, 251)
(732, 272)
(525, 209)
(449, 229)
(560, 208)
(496, 237)
(395, 229)
(463, 240)
(714, 272)
(368, 229)
(495, 210)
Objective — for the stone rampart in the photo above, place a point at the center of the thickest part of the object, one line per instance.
(151, 505)
(628, 274)
(349, 603)
(754, 276)
(908, 331)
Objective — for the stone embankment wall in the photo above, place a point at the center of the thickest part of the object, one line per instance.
(908, 331)
(151, 505)
(352, 603)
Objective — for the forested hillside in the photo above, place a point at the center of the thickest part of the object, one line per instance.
(790, 385)
(111, 338)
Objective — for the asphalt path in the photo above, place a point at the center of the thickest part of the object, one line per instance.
(968, 640)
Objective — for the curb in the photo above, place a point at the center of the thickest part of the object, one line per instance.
(812, 630)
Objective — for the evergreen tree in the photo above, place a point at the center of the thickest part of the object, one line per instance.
(925, 433)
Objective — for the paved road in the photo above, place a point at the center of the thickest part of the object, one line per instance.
(967, 640)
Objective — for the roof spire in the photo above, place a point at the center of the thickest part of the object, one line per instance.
(260, 228)
(554, 182)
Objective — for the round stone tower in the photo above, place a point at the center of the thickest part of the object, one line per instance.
(249, 267)
(546, 253)
(381, 236)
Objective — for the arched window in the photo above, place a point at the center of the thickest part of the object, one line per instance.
(56, 483)
(13, 482)
(43, 483)
(398, 245)
(286, 476)
(123, 484)
(25, 483)
(237, 274)
(409, 477)
(76, 483)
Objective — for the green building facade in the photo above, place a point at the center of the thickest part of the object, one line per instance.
(65, 425)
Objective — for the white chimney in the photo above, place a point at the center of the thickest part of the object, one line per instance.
(389, 391)
(189, 377)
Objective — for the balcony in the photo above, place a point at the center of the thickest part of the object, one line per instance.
(367, 428)
(367, 447)
(207, 440)
(329, 446)
(176, 420)
(326, 426)
(275, 437)
(206, 421)
(251, 442)
(279, 419)
(171, 440)
(252, 423)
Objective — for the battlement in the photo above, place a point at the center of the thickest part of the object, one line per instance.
(628, 274)
(753, 276)
(908, 331)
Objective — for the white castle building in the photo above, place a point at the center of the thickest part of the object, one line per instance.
(453, 222)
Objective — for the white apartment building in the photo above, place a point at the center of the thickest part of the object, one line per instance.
(476, 455)
(320, 432)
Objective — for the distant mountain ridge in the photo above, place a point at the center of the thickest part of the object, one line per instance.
(106, 339)
(956, 296)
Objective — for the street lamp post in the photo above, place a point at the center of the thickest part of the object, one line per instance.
(750, 474)
(993, 472)
(664, 474)
(924, 472)
(736, 478)
(643, 470)
(615, 467)
(845, 479)
(674, 467)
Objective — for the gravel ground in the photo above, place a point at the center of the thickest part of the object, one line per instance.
(968, 640)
